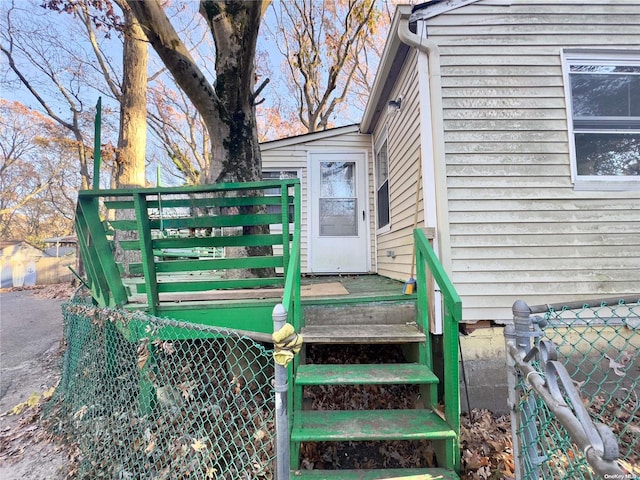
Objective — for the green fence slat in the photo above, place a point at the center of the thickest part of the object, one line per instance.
(214, 202)
(176, 266)
(128, 225)
(119, 204)
(190, 189)
(225, 241)
(130, 245)
(96, 278)
(216, 221)
(219, 264)
(204, 285)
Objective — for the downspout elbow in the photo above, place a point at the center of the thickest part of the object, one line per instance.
(424, 45)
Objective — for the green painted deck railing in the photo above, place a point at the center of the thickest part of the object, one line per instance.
(428, 267)
(161, 250)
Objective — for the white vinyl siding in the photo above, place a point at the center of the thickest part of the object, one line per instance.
(395, 246)
(518, 229)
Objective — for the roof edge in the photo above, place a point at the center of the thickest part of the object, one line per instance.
(307, 137)
(388, 54)
(394, 45)
(433, 9)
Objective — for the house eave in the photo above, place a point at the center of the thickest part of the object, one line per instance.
(309, 137)
(391, 62)
(395, 53)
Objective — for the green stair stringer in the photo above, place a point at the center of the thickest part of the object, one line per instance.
(438, 421)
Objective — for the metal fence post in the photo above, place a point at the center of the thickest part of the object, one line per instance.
(512, 383)
(282, 416)
(522, 325)
(523, 334)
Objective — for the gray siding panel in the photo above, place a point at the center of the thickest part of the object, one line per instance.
(518, 228)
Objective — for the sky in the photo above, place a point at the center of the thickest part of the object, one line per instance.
(65, 29)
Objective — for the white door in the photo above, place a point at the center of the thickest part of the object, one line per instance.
(338, 213)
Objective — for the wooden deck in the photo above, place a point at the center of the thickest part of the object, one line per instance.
(315, 290)
(359, 287)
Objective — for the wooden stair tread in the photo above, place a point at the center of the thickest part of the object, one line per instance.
(362, 312)
(397, 333)
(365, 374)
(361, 425)
(386, 474)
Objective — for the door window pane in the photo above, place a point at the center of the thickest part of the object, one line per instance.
(337, 180)
(338, 217)
(338, 204)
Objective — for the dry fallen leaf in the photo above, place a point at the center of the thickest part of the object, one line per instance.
(198, 445)
(615, 366)
(143, 355)
(260, 434)
(211, 472)
(150, 447)
(81, 412)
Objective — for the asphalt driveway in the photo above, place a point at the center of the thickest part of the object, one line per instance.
(30, 334)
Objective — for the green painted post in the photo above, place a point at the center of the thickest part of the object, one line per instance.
(297, 227)
(97, 159)
(452, 317)
(146, 252)
(147, 399)
(284, 208)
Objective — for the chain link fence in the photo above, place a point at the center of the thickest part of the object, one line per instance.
(576, 397)
(152, 398)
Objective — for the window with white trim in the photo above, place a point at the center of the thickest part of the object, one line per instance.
(603, 92)
(279, 175)
(382, 184)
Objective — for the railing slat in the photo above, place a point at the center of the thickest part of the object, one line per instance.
(204, 285)
(196, 202)
(224, 241)
(146, 251)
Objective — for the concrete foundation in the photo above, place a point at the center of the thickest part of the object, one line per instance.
(485, 370)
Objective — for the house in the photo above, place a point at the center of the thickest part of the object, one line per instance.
(517, 125)
(61, 246)
(18, 263)
(510, 108)
(23, 264)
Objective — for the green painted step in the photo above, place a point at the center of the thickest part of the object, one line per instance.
(363, 334)
(420, 474)
(365, 374)
(361, 425)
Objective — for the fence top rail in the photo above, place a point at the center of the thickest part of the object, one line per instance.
(629, 299)
(189, 189)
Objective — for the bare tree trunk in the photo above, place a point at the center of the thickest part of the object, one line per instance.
(132, 138)
(227, 107)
